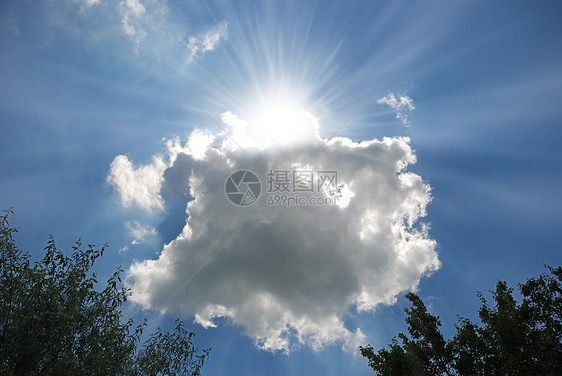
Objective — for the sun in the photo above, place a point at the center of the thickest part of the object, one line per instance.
(283, 122)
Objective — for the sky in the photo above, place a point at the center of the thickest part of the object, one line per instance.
(384, 147)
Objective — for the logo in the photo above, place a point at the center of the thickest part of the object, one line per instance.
(242, 188)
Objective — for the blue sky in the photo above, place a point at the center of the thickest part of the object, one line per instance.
(83, 82)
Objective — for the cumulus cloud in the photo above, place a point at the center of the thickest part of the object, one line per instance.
(197, 46)
(287, 275)
(401, 105)
(138, 186)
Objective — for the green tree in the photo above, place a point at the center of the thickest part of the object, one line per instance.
(511, 339)
(56, 320)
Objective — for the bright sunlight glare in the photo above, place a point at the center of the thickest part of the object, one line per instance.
(283, 122)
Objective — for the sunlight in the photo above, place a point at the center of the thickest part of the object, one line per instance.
(282, 121)
(278, 123)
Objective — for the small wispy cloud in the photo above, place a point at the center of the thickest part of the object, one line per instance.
(401, 105)
(10, 25)
(129, 10)
(90, 3)
(147, 23)
(197, 46)
(87, 5)
(140, 233)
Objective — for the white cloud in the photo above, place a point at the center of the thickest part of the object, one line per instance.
(288, 276)
(89, 3)
(139, 186)
(139, 233)
(401, 105)
(135, 7)
(148, 25)
(197, 46)
(131, 9)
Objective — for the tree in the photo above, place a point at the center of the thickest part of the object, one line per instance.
(511, 339)
(54, 319)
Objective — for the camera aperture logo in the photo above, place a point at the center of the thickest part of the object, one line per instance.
(242, 188)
